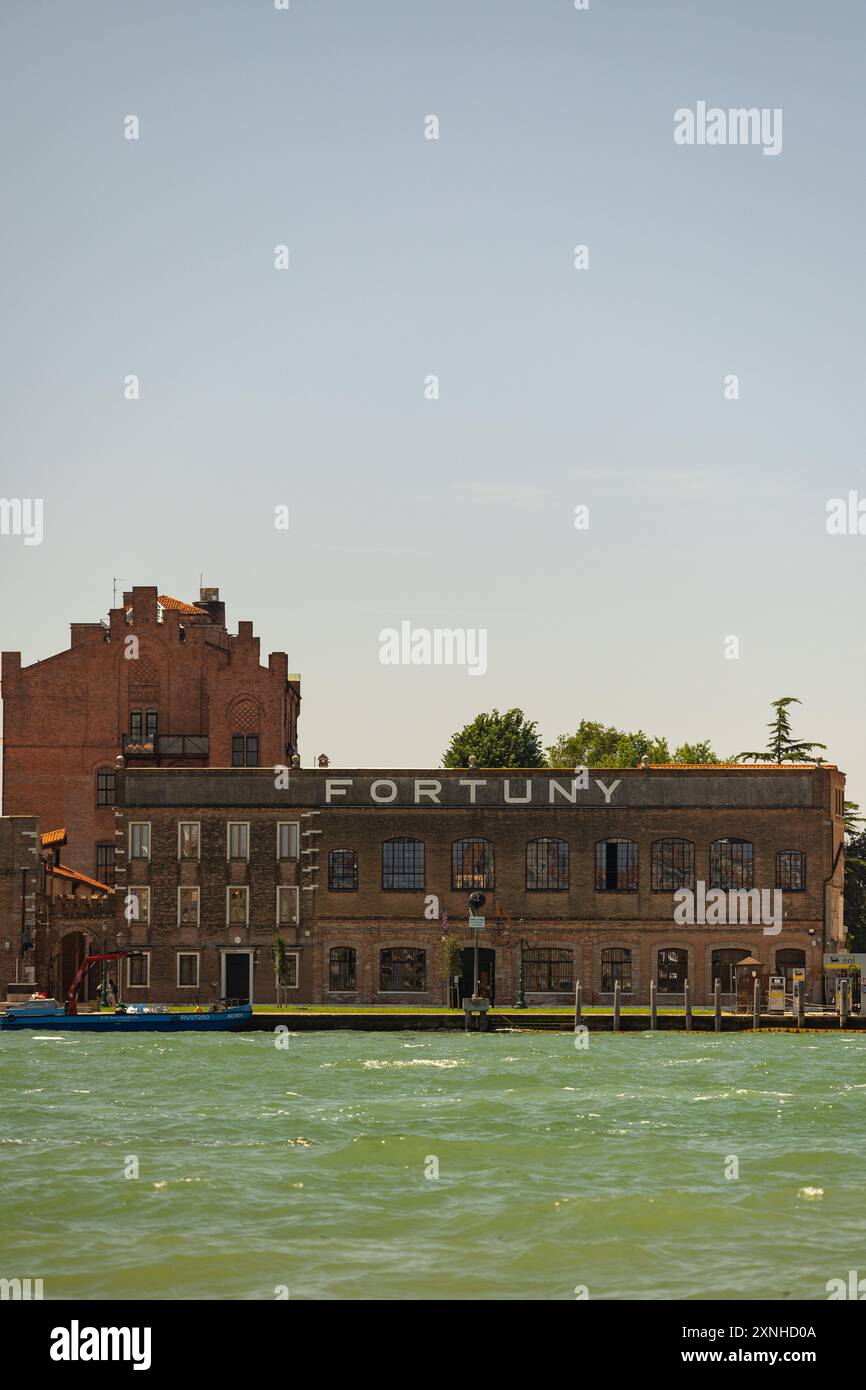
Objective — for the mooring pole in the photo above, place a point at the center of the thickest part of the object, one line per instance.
(687, 999)
(717, 989)
(800, 987)
(756, 1004)
(844, 1000)
(617, 1001)
(578, 1004)
(654, 1008)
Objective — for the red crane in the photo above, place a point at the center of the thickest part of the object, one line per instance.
(71, 1005)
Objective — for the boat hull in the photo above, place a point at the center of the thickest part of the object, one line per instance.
(234, 1020)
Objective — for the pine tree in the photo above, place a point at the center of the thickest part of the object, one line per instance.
(782, 746)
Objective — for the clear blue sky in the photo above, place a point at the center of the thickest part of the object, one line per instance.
(409, 257)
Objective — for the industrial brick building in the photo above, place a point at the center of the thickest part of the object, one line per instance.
(365, 873)
(164, 683)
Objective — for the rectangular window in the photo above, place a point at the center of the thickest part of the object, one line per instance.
(288, 836)
(245, 750)
(287, 905)
(549, 970)
(343, 870)
(139, 840)
(188, 839)
(402, 970)
(239, 840)
(138, 971)
(291, 980)
(546, 866)
(139, 906)
(187, 970)
(105, 864)
(615, 965)
(105, 788)
(187, 907)
(150, 724)
(237, 907)
(136, 726)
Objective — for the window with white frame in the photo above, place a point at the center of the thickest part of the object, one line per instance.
(187, 907)
(137, 904)
(138, 971)
(287, 905)
(188, 839)
(288, 838)
(187, 969)
(237, 907)
(238, 846)
(139, 839)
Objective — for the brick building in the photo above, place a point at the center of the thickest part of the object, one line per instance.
(355, 869)
(51, 916)
(163, 682)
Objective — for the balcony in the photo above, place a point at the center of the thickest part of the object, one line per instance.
(171, 746)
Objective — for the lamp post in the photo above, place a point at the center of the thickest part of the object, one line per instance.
(476, 901)
(521, 977)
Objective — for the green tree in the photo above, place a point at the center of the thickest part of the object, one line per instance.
(782, 747)
(497, 740)
(855, 877)
(602, 745)
(699, 752)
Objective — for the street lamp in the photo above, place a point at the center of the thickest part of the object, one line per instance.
(521, 977)
(476, 901)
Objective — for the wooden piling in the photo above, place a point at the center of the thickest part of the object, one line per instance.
(654, 1008)
(687, 1001)
(617, 1004)
(578, 1004)
(717, 990)
(756, 1004)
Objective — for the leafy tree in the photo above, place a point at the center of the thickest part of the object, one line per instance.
(699, 752)
(497, 740)
(855, 877)
(782, 747)
(602, 745)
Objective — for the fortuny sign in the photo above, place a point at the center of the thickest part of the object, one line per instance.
(461, 791)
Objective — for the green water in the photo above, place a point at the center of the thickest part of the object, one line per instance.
(305, 1167)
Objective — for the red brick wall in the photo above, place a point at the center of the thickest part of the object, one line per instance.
(64, 717)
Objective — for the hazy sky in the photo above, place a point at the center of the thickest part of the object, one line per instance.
(408, 257)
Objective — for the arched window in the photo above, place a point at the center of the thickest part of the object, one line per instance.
(616, 866)
(791, 870)
(472, 864)
(402, 970)
(549, 970)
(342, 969)
(723, 963)
(615, 965)
(105, 786)
(673, 865)
(546, 866)
(673, 970)
(343, 870)
(786, 963)
(732, 863)
(403, 864)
